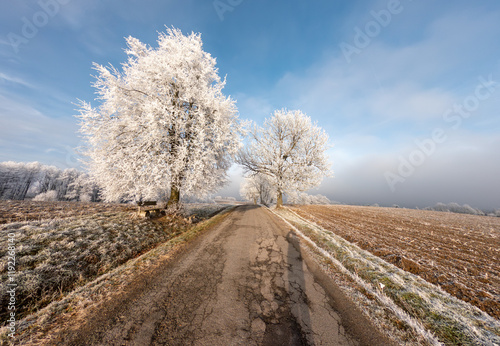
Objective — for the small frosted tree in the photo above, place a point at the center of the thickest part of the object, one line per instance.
(290, 150)
(49, 196)
(256, 187)
(163, 125)
(249, 191)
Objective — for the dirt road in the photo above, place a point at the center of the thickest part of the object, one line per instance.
(244, 282)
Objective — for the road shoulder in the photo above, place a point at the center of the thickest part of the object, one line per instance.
(353, 320)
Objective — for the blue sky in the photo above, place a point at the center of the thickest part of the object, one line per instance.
(407, 90)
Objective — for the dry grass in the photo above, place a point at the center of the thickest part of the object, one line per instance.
(72, 308)
(203, 210)
(55, 256)
(413, 310)
(16, 211)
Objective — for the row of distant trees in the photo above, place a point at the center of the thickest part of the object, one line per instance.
(462, 209)
(258, 188)
(35, 181)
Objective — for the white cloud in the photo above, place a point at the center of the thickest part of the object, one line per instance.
(15, 80)
(409, 101)
(416, 81)
(463, 169)
(391, 95)
(253, 107)
(4, 42)
(26, 135)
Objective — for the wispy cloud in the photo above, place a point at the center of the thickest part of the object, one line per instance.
(254, 107)
(26, 133)
(14, 80)
(464, 170)
(4, 42)
(392, 94)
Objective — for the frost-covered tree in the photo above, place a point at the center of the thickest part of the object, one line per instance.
(289, 150)
(249, 191)
(456, 208)
(83, 188)
(163, 125)
(20, 181)
(304, 198)
(17, 178)
(65, 180)
(256, 188)
(48, 196)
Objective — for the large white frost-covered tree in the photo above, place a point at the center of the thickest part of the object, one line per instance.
(290, 150)
(163, 124)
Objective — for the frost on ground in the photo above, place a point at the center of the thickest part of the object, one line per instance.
(412, 309)
(54, 256)
(15, 211)
(71, 308)
(204, 210)
(459, 253)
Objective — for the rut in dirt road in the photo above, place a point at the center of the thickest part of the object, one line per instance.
(242, 283)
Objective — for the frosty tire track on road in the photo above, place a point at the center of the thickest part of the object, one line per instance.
(244, 282)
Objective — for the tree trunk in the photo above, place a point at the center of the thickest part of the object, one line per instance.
(279, 202)
(175, 194)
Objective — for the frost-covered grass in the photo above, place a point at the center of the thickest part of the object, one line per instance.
(61, 314)
(30, 210)
(54, 257)
(204, 210)
(418, 311)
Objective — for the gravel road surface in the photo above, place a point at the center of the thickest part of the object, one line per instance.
(246, 281)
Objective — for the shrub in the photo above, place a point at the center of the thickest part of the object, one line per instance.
(49, 196)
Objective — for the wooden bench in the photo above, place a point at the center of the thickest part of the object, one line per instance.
(147, 212)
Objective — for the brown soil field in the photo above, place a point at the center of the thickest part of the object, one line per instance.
(15, 211)
(460, 253)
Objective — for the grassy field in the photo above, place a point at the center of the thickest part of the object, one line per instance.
(77, 244)
(410, 309)
(16, 211)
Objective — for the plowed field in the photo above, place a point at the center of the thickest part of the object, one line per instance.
(460, 253)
